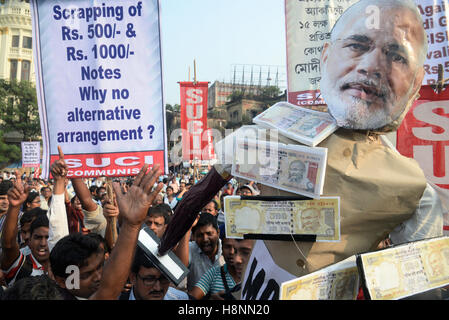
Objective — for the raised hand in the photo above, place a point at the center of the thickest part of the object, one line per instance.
(59, 168)
(19, 192)
(110, 210)
(133, 205)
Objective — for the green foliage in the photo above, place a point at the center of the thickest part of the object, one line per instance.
(235, 96)
(18, 109)
(270, 92)
(8, 153)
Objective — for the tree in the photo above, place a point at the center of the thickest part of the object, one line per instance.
(269, 92)
(18, 109)
(8, 152)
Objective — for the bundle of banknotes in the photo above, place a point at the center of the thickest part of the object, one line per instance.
(283, 217)
(294, 168)
(306, 126)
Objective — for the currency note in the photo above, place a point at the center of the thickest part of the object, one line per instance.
(306, 126)
(312, 217)
(406, 270)
(337, 282)
(293, 168)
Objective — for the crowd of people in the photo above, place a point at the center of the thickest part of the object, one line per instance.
(60, 238)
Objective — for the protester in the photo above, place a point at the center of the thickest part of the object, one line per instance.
(4, 204)
(33, 201)
(158, 218)
(44, 231)
(170, 197)
(204, 252)
(108, 284)
(148, 283)
(212, 208)
(75, 215)
(45, 196)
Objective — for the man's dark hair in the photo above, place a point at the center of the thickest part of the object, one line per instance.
(31, 196)
(141, 260)
(72, 201)
(101, 239)
(30, 215)
(73, 249)
(93, 188)
(40, 221)
(34, 288)
(215, 204)
(206, 219)
(169, 188)
(161, 210)
(5, 186)
(43, 189)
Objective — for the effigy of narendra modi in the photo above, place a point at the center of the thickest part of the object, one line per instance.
(370, 77)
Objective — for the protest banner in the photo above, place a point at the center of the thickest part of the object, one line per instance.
(196, 138)
(263, 277)
(434, 17)
(308, 25)
(424, 135)
(31, 154)
(99, 85)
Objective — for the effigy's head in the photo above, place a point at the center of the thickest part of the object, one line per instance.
(372, 69)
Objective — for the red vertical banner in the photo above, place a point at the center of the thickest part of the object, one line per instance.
(196, 138)
(424, 135)
(37, 172)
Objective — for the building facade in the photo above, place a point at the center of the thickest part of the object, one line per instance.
(219, 92)
(245, 108)
(16, 53)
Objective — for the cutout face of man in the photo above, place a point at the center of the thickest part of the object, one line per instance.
(371, 75)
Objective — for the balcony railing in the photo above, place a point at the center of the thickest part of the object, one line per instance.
(20, 51)
(15, 11)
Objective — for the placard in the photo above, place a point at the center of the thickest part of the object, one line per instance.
(31, 154)
(99, 85)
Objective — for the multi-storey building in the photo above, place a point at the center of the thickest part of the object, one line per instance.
(219, 92)
(16, 53)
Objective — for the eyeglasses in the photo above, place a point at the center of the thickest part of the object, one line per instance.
(151, 281)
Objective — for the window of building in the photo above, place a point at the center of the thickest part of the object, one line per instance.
(13, 70)
(15, 41)
(25, 74)
(27, 42)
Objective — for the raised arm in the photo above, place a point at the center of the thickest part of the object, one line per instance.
(16, 197)
(182, 248)
(133, 208)
(84, 194)
(93, 218)
(57, 214)
(110, 212)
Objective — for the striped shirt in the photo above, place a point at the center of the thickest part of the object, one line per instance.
(199, 263)
(212, 282)
(27, 263)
